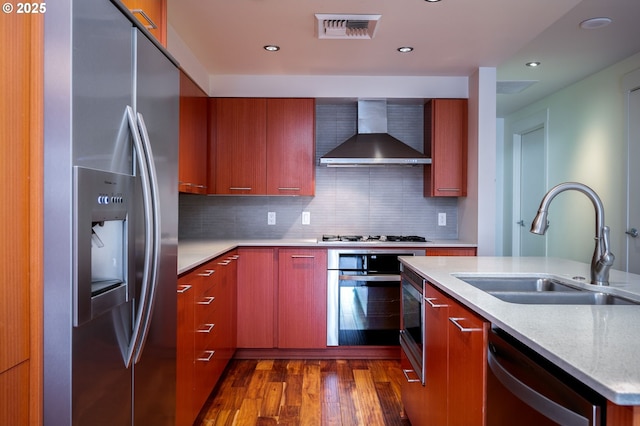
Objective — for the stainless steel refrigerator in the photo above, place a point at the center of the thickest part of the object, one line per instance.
(110, 224)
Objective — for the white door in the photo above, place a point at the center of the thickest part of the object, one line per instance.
(532, 189)
(633, 219)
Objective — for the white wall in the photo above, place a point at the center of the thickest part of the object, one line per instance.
(477, 211)
(586, 143)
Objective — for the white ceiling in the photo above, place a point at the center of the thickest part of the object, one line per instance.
(450, 37)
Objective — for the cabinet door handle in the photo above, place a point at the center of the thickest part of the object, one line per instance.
(406, 376)
(302, 256)
(430, 301)
(206, 273)
(206, 328)
(207, 300)
(288, 188)
(462, 328)
(240, 188)
(151, 25)
(184, 288)
(207, 357)
(449, 189)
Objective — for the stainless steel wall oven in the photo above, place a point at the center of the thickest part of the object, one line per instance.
(364, 296)
(412, 327)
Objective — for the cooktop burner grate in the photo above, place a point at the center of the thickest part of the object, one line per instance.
(374, 238)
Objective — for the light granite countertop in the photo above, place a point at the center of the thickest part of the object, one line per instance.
(598, 345)
(192, 253)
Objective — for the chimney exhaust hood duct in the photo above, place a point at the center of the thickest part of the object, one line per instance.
(372, 145)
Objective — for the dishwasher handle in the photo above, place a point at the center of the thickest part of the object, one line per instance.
(534, 399)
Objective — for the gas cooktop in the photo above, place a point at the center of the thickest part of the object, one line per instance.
(373, 238)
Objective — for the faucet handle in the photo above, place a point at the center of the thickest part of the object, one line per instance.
(605, 241)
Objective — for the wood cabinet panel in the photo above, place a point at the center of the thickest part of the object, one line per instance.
(21, 307)
(256, 292)
(452, 251)
(302, 298)
(618, 415)
(185, 412)
(445, 141)
(412, 392)
(152, 14)
(436, 318)
(467, 366)
(206, 332)
(290, 146)
(241, 149)
(14, 395)
(192, 166)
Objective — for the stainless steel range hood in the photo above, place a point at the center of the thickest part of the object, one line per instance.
(372, 145)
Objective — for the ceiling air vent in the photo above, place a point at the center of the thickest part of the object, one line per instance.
(335, 26)
(513, 87)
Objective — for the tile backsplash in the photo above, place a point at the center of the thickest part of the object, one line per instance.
(359, 200)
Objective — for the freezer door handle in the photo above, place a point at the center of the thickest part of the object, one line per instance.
(146, 170)
(147, 307)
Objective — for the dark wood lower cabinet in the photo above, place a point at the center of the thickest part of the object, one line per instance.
(206, 332)
(455, 345)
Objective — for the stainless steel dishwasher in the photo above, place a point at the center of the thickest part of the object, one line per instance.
(525, 389)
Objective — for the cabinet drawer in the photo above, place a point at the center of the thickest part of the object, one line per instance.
(205, 338)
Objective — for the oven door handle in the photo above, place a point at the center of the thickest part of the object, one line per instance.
(534, 399)
(369, 277)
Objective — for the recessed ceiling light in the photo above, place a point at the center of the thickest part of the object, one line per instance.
(271, 48)
(432, 1)
(595, 23)
(533, 64)
(406, 49)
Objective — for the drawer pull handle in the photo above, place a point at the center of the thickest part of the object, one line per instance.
(430, 301)
(206, 273)
(207, 357)
(224, 262)
(206, 328)
(302, 256)
(462, 328)
(184, 288)
(406, 376)
(207, 300)
(151, 25)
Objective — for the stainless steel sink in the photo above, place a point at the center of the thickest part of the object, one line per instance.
(518, 284)
(542, 290)
(585, 297)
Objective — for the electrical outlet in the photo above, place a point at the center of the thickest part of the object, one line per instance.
(306, 218)
(442, 219)
(271, 218)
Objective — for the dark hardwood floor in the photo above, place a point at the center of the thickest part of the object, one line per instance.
(307, 392)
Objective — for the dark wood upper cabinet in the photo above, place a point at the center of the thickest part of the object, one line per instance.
(241, 146)
(262, 146)
(290, 146)
(445, 141)
(192, 166)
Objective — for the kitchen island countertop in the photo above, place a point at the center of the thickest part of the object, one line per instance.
(598, 345)
(192, 253)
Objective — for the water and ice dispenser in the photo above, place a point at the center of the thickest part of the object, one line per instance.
(103, 233)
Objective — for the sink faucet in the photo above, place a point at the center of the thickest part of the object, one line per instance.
(602, 258)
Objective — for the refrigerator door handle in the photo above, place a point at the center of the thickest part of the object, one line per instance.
(147, 197)
(155, 226)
